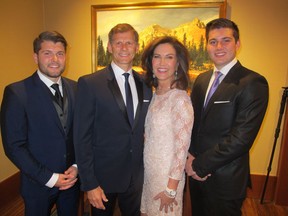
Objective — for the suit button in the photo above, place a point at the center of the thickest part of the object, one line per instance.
(131, 150)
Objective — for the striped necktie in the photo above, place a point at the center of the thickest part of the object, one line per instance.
(57, 95)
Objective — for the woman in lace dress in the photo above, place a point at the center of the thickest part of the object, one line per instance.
(168, 127)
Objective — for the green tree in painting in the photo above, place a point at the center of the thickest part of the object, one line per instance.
(200, 58)
(101, 56)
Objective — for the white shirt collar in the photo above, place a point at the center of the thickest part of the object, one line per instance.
(47, 81)
(119, 71)
(227, 67)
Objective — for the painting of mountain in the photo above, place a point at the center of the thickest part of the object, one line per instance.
(187, 24)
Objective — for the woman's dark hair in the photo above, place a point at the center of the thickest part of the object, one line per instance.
(182, 79)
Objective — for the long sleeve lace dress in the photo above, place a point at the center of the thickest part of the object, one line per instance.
(168, 130)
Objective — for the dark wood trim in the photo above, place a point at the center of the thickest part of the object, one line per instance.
(257, 187)
(281, 193)
(10, 189)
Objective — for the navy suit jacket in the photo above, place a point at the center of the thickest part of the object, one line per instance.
(33, 137)
(224, 132)
(108, 150)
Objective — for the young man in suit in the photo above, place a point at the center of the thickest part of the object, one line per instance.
(108, 136)
(37, 131)
(225, 126)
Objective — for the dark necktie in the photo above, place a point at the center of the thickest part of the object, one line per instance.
(129, 100)
(57, 95)
(213, 87)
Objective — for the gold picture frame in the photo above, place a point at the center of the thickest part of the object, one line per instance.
(142, 16)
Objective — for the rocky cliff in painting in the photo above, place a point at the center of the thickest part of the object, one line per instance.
(190, 34)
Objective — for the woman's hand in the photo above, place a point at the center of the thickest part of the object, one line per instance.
(166, 202)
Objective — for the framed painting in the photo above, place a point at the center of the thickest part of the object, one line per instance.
(184, 20)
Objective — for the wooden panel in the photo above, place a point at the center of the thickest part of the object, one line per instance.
(257, 187)
(10, 189)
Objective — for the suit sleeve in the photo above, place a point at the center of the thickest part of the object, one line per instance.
(14, 129)
(250, 106)
(84, 118)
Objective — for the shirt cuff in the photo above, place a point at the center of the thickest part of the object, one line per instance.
(52, 181)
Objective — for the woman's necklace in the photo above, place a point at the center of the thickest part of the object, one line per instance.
(161, 90)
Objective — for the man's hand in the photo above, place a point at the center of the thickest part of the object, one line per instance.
(67, 179)
(96, 198)
(189, 170)
(188, 165)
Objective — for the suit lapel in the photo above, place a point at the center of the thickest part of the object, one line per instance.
(68, 101)
(229, 79)
(139, 87)
(46, 98)
(115, 90)
(204, 83)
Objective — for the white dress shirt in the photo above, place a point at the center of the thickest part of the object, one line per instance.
(224, 72)
(121, 83)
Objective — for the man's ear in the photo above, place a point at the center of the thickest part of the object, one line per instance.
(109, 47)
(35, 57)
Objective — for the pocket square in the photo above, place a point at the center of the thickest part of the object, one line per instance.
(146, 101)
(221, 102)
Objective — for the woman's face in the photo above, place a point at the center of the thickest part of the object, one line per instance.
(164, 63)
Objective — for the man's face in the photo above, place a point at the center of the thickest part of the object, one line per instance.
(51, 59)
(222, 47)
(123, 49)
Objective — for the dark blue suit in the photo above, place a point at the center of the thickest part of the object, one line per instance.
(33, 137)
(109, 152)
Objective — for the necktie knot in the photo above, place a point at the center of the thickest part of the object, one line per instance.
(126, 75)
(55, 86)
(57, 94)
(218, 74)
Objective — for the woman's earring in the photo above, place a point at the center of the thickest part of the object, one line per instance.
(176, 75)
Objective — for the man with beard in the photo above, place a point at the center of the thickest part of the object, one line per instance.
(36, 126)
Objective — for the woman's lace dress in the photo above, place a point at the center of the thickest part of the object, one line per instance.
(168, 130)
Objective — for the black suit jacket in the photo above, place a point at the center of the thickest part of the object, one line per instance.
(33, 137)
(109, 152)
(224, 132)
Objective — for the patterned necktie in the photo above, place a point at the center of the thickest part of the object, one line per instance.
(57, 95)
(213, 87)
(129, 100)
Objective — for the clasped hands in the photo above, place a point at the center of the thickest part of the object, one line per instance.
(189, 170)
(67, 179)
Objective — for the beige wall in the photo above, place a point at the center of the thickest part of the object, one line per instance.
(263, 29)
(20, 22)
